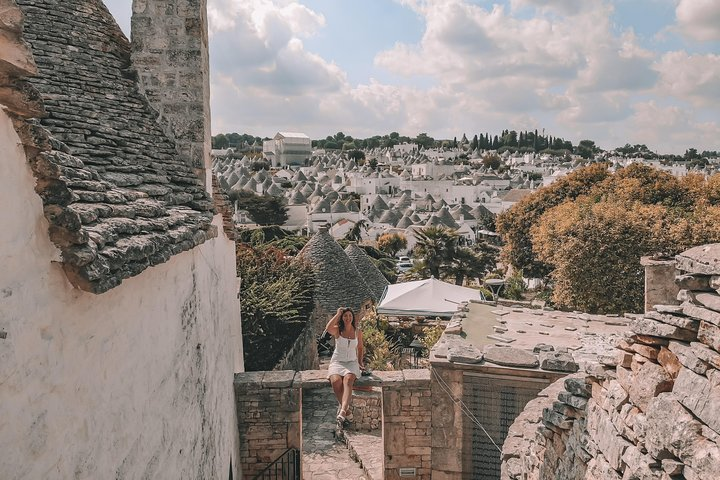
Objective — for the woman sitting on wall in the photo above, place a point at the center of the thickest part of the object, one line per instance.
(346, 361)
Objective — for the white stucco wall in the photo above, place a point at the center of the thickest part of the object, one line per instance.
(133, 383)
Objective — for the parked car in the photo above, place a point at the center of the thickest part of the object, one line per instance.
(403, 259)
(403, 267)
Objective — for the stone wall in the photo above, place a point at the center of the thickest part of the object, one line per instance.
(134, 382)
(407, 429)
(170, 53)
(366, 411)
(303, 355)
(652, 411)
(269, 417)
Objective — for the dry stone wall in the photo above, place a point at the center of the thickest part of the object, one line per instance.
(651, 411)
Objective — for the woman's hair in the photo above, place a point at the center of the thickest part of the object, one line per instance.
(341, 324)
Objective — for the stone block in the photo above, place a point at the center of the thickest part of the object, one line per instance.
(558, 362)
(703, 260)
(669, 361)
(672, 467)
(709, 300)
(391, 379)
(668, 308)
(670, 428)
(680, 320)
(650, 380)
(701, 313)
(649, 340)
(693, 282)
(462, 352)
(639, 465)
(709, 334)
(418, 377)
(278, 379)
(573, 400)
(646, 351)
(624, 376)
(686, 357)
(551, 418)
(248, 381)
(648, 326)
(706, 354)
(510, 357)
(577, 386)
(699, 395)
(615, 396)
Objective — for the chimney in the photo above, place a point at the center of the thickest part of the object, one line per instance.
(660, 286)
(170, 53)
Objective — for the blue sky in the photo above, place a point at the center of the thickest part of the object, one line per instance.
(615, 71)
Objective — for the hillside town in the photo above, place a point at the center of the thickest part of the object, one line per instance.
(406, 187)
(289, 308)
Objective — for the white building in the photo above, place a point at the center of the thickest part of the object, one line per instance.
(287, 148)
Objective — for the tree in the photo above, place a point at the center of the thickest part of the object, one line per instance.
(471, 262)
(354, 233)
(262, 209)
(514, 224)
(587, 149)
(220, 141)
(424, 141)
(491, 160)
(391, 243)
(475, 143)
(435, 247)
(276, 302)
(356, 155)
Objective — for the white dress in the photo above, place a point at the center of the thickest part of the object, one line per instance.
(344, 359)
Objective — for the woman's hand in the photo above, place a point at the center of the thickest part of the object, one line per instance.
(340, 310)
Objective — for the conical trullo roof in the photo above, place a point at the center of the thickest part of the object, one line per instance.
(338, 207)
(379, 204)
(404, 222)
(375, 281)
(337, 281)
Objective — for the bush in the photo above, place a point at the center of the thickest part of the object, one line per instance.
(430, 336)
(275, 302)
(379, 353)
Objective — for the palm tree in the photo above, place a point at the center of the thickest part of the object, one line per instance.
(354, 234)
(436, 247)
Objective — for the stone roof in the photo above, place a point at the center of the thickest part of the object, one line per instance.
(117, 194)
(375, 281)
(379, 204)
(338, 207)
(337, 281)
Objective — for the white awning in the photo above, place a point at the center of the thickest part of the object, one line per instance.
(431, 297)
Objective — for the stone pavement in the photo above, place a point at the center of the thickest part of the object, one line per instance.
(325, 458)
(367, 448)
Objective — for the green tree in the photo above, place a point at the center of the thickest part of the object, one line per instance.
(391, 243)
(354, 233)
(220, 141)
(587, 149)
(356, 155)
(262, 209)
(514, 224)
(491, 160)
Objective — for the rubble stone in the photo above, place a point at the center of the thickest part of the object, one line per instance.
(558, 362)
(650, 380)
(511, 357)
(703, 260)
(647, 326)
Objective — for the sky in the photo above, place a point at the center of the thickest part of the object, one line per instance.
(613, 71)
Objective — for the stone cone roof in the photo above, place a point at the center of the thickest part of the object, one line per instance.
(445, 216)
(375, 281)
(404, 222)
(337, 281)
(482, 215)
(338, 207)
(388, 217)
(379, 204)
(297, 198)
(323, 206)
(352, 206)
(299, 176)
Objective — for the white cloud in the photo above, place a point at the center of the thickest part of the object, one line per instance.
(699, 19)
(695, 78)
(671, 128)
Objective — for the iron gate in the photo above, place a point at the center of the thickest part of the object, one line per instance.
(495, 400)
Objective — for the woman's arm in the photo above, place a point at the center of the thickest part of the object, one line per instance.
(360, 349)
(332, 326)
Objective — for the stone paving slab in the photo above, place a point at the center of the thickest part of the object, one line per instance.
(324, 457)
(367, 448)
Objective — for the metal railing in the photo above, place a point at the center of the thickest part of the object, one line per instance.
(285, 467)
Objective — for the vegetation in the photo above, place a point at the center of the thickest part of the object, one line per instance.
(262, 209)
(379, 351)
(587, 232)
(276, 295)
(439, 254)
(430, 337)
(392, 243)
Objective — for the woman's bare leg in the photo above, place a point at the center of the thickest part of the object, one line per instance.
(337, 385)
(348, 381)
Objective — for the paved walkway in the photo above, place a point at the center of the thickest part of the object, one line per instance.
(325, 458)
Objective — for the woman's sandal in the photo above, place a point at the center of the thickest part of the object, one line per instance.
(341, 418)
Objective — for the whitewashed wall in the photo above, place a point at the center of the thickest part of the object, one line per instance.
(133, 383)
